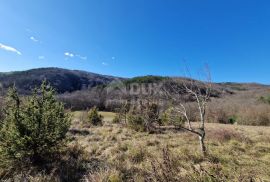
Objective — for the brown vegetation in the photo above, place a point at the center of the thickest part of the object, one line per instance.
(114, 152)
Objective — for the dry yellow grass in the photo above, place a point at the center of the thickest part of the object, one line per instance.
(107, 116)
(81, 115)
(115, 153)
(235, 152)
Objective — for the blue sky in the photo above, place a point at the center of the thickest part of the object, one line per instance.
(138, 37)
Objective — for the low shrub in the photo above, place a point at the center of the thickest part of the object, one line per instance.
(116, 119)
(171, 117)
(136, 122)
(137, 155)
(144, 117)
(94, 117)
(165, 119)
(232, 120)
(167, 169)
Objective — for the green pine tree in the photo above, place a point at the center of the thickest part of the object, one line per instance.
(33, 129)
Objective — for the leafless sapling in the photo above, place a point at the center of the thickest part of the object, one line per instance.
(200, 92)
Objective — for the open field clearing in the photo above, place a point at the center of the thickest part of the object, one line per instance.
(236, 153)
(134, 91)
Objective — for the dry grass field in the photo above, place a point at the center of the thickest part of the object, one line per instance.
(235, 153)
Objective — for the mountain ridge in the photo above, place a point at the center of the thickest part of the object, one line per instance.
(63, 80)
(81, 89)
(66, 80)
(89, 72)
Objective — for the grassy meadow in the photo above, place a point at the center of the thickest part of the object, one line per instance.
(235, 153)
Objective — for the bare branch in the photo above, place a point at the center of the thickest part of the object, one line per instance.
(201, 92)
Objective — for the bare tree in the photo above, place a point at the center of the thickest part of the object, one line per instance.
(123, 110)
(200, 92)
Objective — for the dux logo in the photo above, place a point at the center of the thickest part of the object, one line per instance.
(116, 85)
(134, 88)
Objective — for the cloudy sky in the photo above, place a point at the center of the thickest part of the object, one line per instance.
(129, 38)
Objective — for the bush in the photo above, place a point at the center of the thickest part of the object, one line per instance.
(144, 117)
(171, 117)
(232, 120)
(165, 118)
(116, 119)
(136, 122)
(33, 129)
(151, 113)
(94, 118)
(137, 154)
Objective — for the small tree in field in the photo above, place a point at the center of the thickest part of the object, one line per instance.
(33, 129)
(94, 117)
(200, 92)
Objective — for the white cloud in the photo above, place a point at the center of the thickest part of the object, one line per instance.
(71, 55)
(105, 64)
(68, 54)
(41, 57)
(81, 57)
(34, 39)
(8, 48)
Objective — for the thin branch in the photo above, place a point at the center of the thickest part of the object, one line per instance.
(190, 130)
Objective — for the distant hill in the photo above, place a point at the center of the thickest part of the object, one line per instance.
(241, 103)
(81, 89)
(62, 80)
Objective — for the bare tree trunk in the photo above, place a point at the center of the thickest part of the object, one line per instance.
(202, 144)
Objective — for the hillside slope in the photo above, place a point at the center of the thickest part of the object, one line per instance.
(244, 103)
(62, 80)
